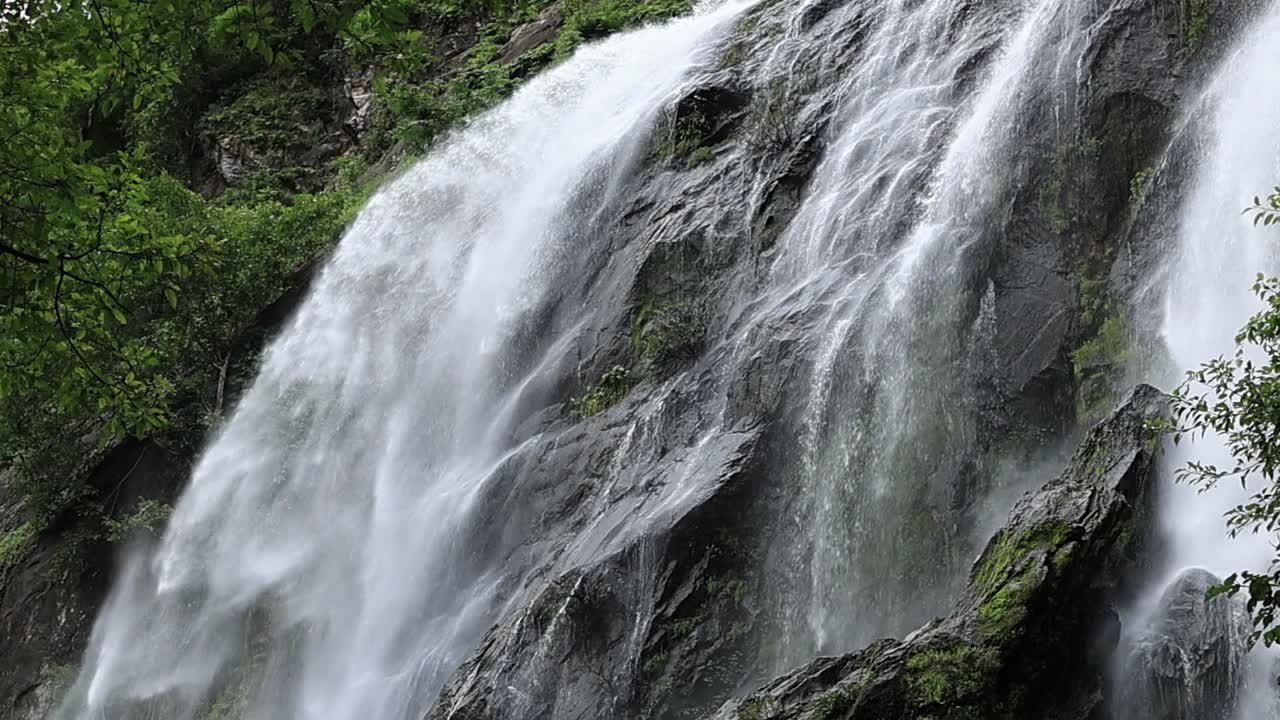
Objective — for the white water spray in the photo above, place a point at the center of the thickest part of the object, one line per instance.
(1209, 299)
(336, 508)
(1218, 255)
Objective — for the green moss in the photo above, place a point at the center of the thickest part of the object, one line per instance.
(756, 709)
(733, 591)
(1052, 192)
(656, 664)
(683, 137)
(998, 564)
(232, 702)
(15, 545)
(950, 676)
(700, 156)
(1007, 579)
(1199, 22)
(832, 704)
(1140, 185)
(666, 334)
(58, 679)
(1092, 290)
(613, 386)
(772, 120)
(1108, 347)
(1105, 343)
(685, 627)
(1005, 610)
(733, 56)
(1097, 363)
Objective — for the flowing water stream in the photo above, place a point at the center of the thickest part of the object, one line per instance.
(337, 505)
(333, 541)
(1214, 261)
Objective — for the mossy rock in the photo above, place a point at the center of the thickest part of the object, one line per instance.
(1022, 640)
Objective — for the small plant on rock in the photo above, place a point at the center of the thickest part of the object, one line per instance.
(613, 386)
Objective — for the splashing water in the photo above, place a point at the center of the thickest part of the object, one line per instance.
(1218, 255)
(336, 541)
(336, 506)
(893, 232)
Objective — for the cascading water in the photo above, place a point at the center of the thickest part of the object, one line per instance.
(1209, 295)
(897, 225)
(348, 538)
(1235, 153)
(338, 506)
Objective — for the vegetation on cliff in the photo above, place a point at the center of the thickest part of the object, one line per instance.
(171, 168)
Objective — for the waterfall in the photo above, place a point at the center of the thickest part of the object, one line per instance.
(893, 244)
(354, 533)
(339, 507)
(1218, 253)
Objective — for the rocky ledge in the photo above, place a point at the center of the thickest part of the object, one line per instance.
(1032, 631)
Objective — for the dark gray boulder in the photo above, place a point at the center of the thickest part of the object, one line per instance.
(1190, 661)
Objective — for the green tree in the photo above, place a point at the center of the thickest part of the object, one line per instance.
(1238, 399)
(115, 280)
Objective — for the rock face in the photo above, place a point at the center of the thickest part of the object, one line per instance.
(1190, 662)
(649, 558)
(1034, 626)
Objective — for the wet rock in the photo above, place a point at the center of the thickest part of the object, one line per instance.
(1030, 633)
(642, 599)
(233, 158)
(358, 95)
(1190, 663)
(533, 34)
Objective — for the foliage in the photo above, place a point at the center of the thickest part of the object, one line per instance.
(700, 156)
(613, 386)
(124, 291)
(772, 124)
(149, 516)
(283, 116)
(593, 19)
(832, 704)
(179, 334)
(1237, 398)
(14, 546)
(1199, 16)
(416, 111)
(665, 335)
(101, 252)
(1140, 185)
(1266, 212)
(1107, 347)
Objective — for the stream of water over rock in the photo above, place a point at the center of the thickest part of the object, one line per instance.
(1213, 259)
(337, 506)
(354, 531)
